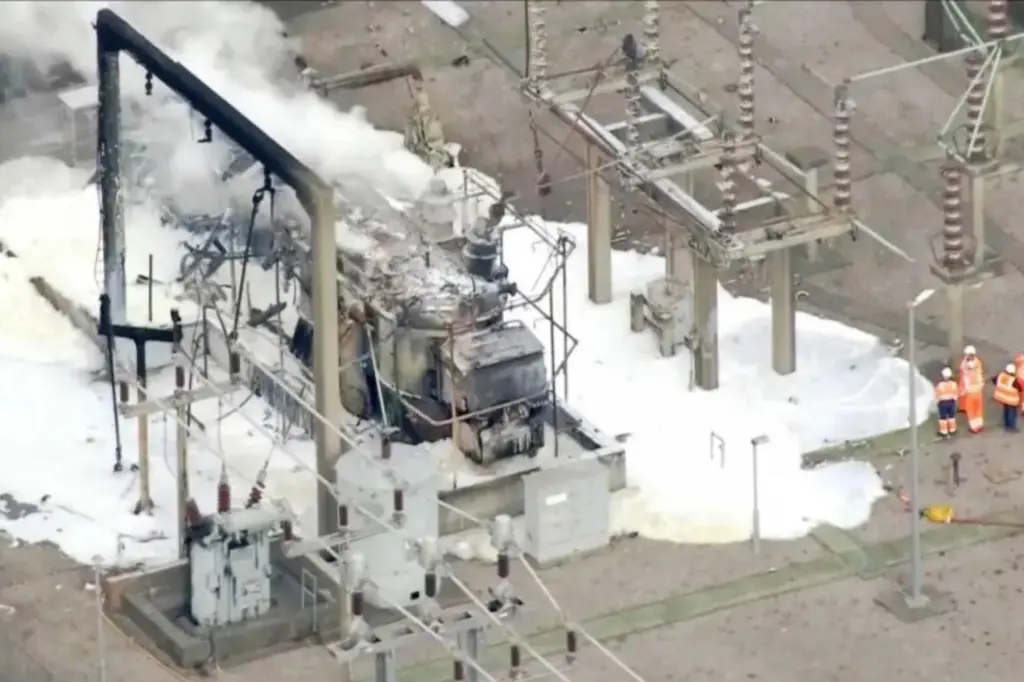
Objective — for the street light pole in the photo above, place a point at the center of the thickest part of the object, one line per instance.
(100, 635)
(755, 534)
(916, 597)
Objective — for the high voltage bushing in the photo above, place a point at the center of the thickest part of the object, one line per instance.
(634, 110)
(842, 197)
(652, 33)
(727, 183)
(998, 19)
(952, 216)
(974, 105)
(745, 86)
(537, 22)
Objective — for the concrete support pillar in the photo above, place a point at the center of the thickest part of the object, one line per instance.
(705, 318)
(783, 301)
(978, 216)
(810, 160)
(599, 230)
(955, 294)
(677, 251)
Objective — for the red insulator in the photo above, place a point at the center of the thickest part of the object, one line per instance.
(223, 497)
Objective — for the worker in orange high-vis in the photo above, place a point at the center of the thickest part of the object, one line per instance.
(972, 398)
(970, 357)
(946, 393)
(1008, 395)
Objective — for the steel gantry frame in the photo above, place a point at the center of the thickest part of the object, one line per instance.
(696, 140)
(973, 141)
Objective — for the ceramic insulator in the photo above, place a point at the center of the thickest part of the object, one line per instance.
(842, 197)
(952, 216)
(652, 32)
(634, 110)
(727, 216)
(745, 86)
(998, 19)
(538, 43)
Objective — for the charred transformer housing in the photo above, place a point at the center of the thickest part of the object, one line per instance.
(424, 345)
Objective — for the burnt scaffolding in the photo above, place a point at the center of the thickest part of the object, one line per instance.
(541, 299)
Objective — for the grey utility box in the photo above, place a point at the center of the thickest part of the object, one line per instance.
(567, 511)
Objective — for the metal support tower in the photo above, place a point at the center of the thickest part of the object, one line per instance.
(114, 35)
(663, 169)
(973, 143)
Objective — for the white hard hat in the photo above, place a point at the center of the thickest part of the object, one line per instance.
(947, 373)
(1011, 368)
(970, 350)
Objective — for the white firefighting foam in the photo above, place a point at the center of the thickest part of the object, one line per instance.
(847, 385)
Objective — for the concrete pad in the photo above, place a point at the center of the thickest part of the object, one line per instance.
(896, 600)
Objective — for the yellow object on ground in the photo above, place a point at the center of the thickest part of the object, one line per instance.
(938, 513)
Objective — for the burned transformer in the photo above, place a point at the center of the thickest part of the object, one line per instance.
(424, 342)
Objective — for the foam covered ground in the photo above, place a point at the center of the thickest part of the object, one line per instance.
(847, 386)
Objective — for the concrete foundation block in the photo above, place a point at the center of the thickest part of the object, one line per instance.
(934, 602)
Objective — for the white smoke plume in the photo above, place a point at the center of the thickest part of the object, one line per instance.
(240, 50)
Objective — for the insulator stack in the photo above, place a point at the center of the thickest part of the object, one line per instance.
(727, 183)
(398, 505)
(974, 106)
(256, 493)
(287, 530)
(515, 662)
(458, 671)
(952, 216)
(652, 33)
(998, 19)
(571, 646)
(634, 110)
(538, 43)
(842, 173)
(745, 87)
(357, 602)
(223, 492)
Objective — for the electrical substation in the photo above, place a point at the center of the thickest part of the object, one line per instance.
(385, 332)
(401, 334)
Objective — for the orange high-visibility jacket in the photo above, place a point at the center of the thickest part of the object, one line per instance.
(971, 379)
(1006, 392)
(946, 390)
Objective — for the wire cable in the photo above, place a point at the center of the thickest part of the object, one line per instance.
(168, 406)
(456, 510)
